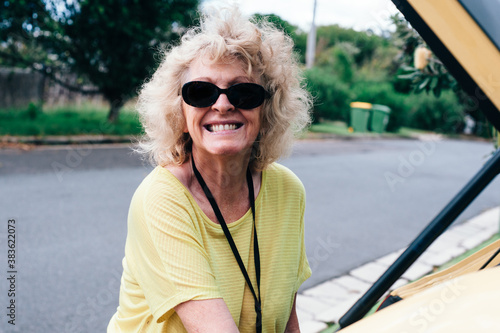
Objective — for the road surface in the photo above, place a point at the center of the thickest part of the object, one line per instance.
(364, 199)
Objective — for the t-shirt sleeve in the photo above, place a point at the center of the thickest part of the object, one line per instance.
(304, 271)
(166, 252)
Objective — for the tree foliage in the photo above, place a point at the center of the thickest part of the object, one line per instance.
(110, 43)
(431, 76)
(22, 27)
(423, 70)
(331, 95)
(298, 36)
(365, 42)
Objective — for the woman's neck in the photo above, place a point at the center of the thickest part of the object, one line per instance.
(225, 176)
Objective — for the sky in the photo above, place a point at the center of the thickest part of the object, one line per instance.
(357, 14)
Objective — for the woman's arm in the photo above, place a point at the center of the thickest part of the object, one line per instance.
(207, 316)
(293, 322)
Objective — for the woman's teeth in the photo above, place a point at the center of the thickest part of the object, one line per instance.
(218, 128)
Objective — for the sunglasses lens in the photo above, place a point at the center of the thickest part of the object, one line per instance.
(242, 95)
(246, 95)
(200, 94)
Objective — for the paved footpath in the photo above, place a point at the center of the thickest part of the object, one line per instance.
(329, 301)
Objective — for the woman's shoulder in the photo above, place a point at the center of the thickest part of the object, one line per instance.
(279, 174)
(161, 185)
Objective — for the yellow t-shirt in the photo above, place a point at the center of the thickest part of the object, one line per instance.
(175, 253)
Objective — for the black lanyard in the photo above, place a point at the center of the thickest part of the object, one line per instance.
(230, 240)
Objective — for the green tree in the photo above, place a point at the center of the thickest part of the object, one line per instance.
(365, 42)
(420, 70)
(298, 36)
(21, 25)
(331, 95)
(110, 43)
(340, 59)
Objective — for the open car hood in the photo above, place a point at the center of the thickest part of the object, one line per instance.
(469, 303)
(465, 36)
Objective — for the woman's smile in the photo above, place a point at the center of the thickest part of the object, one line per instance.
(223, 128)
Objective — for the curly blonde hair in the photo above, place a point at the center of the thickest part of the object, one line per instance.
(225, 35)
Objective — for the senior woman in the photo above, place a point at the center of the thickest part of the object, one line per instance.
(216, 231)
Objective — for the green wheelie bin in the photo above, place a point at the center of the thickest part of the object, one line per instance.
(360, 115)
(379, 118)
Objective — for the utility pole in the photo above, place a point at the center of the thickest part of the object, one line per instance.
(311, 41)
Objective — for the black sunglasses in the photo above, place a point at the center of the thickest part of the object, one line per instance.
(201, 94)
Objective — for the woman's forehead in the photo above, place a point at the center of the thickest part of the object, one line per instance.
(215, 70)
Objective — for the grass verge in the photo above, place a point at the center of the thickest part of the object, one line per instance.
(341, 128)
(334, 127)
(67, 121)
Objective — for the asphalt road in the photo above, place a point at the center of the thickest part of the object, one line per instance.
(364, 200)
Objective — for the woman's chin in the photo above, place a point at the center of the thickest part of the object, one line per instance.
(224, 146)
(227, 150)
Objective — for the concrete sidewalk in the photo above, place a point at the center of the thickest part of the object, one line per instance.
(329, 301)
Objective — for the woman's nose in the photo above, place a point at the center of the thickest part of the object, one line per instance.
(222, 104)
